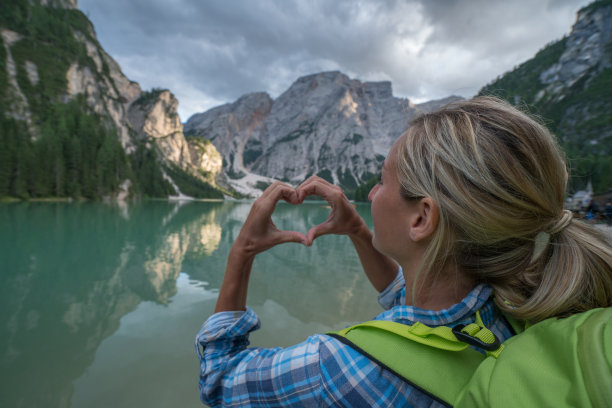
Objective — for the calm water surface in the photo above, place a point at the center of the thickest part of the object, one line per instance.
(99, 304)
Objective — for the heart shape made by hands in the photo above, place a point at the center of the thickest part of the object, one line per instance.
(341, 219)
(313, 231)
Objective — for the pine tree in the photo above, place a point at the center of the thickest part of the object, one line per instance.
(57, 153)
(7, 155)
(22, 167)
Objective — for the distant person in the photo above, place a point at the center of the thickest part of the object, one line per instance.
(590, 215)
(468, 224)
(592, 212)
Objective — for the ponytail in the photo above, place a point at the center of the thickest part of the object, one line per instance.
(572, 275)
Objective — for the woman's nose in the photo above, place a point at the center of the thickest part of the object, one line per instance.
(372, 192)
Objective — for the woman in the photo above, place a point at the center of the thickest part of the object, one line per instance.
(470, 206)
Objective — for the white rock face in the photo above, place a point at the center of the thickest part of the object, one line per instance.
(118, 98)
(19, 107)
(585, 50)
(206, 157)
(231, 127)
(69, 4)
(32, 72)
(162, 120)
(109, 96)
(110, 93)
(325, 124)
(155, 118)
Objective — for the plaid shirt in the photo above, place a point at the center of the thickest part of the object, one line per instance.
(321, 371)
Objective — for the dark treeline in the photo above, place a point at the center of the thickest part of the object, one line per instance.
(361, 192)
(74, 155)
(65, 151)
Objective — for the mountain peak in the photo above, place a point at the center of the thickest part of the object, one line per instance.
(325, 124)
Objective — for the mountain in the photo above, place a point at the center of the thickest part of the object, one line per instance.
(72, 124)
(569, 84)
(325, 124)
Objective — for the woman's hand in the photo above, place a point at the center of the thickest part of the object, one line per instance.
(343, 219)
(259, 232)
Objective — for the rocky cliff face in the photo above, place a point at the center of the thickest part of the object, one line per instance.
(107, 91)
(231, 126)
(585, 53)
(69, 4)
(326, 124)
(569, 84)
(136, 115)
(154, 117)
(18, 108)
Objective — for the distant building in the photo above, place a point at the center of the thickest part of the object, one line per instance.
(581, 199)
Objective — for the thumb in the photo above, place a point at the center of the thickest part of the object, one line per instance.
(317, 231)
(290, 236)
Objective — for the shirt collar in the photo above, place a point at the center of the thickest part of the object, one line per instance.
(474, 301)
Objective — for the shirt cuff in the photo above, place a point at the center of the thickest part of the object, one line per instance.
(224, 326)
(392, 293)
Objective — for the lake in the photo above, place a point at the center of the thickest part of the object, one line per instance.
(100, 303)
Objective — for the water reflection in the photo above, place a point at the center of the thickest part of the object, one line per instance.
(72, 274)
(323, 283)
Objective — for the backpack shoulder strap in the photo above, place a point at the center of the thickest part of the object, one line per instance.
(431, 359)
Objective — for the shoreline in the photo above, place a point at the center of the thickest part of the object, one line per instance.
(602, 226)
(8, 200)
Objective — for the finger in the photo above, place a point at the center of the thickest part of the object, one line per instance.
(290, 196)
(320, 188)
(272, 189)
(324, 185)
(290, 236)
(317, 231)
(308, 181)
(313, 179)
(267, 201)
(280, 190)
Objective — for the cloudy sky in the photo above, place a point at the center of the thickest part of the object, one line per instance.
(210, 52)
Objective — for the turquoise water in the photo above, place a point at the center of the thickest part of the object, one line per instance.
(99, 304)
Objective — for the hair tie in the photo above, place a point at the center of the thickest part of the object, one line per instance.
(539, 245)
(562, 223)
(543, 238)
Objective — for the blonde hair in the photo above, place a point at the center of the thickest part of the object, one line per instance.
(499, 179)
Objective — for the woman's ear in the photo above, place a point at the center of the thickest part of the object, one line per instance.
(425, 221)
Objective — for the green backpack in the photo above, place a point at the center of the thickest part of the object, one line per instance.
(555, 363)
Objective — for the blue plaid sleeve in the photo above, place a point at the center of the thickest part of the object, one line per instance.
(233, 375)
(395, 293)
(321, 371)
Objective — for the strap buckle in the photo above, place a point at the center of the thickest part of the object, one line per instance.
(474, 341)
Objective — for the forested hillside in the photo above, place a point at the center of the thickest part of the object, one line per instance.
(64, 104)
(569, 85)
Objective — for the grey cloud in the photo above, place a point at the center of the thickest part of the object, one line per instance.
(223, 49)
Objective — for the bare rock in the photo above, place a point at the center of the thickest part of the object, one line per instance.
(325, 124)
